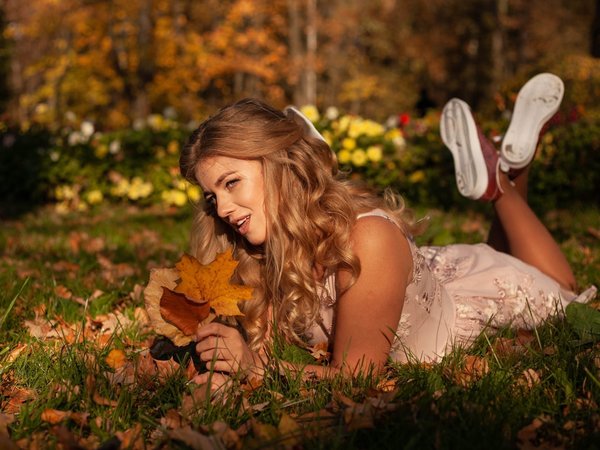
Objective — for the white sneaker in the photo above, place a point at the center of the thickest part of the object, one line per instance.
(536, 103)
(475, 157)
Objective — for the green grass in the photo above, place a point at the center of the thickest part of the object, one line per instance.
(442, 406)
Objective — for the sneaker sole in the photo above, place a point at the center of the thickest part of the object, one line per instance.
(459, 134)
(536, 103)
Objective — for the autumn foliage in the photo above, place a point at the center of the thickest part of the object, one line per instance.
(180, 299)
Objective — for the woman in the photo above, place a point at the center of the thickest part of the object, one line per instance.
(332, 262)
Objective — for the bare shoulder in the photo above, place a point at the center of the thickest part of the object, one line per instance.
(379, 243)
(376, 232)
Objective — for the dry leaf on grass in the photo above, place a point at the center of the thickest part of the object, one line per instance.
(5, 421)
(116, 358)
(192, 438)
(54, 416)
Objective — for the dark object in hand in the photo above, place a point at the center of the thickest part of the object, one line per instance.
(163, 349)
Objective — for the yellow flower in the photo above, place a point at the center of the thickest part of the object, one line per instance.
(64, 192)
(374, 153)
(359, 157)
(156, 121)
(193, 193)
(174, 197)
(180, 184)
(101, 151)
(417, 176)
(349, 143)
(121, 189)
(173, 147)
(139, 189)
(342, 124)
(62, 208)
(94, 197)
(344, 156)
(311, 112)
(360, 127)
(392, 134)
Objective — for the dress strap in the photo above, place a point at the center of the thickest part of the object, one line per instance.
(376, 212)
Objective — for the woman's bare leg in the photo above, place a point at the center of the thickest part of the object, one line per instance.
(526, 237)
(497, 236)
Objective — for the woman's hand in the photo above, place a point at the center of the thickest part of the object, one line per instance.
(224, 350)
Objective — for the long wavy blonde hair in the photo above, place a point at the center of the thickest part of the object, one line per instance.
(310, 210)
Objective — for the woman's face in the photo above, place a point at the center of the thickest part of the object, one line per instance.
(235, 188)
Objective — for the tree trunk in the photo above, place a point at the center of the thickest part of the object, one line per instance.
(595, 33)
(310, 74)
(295, 49)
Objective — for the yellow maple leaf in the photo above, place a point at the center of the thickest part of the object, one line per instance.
(211, 283)
(177, 314)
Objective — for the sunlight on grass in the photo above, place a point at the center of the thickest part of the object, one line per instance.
(71, 296)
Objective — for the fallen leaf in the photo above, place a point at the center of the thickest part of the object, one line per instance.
(229, 437)
(529, 378)
(289, 430)
(63, 292)
(171, 420)
(102, 401)
(15, 353)
(360, 416)
(264, 432)
(319, 351)
(191, 438)
(17, 396)
(473, 369)
(132, 438)
(54, 416)
(116, 358)
(5, 421)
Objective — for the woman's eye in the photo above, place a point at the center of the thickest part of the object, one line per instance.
(231, 183)
(210, 200)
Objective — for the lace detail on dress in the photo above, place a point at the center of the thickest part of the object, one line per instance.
(444, 267)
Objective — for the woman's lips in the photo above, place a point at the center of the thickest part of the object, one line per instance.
(243, 225)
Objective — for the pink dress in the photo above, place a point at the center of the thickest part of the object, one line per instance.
(456, 292)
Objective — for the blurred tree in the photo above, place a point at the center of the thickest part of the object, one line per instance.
(595, 32)
(4, 61)
(118, 61)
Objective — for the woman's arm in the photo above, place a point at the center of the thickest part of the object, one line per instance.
(368, 313)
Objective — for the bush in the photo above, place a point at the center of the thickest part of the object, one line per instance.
(79, 168)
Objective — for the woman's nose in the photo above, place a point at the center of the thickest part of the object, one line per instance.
(224, 207)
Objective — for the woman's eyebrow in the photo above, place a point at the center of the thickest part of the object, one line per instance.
(222, 177)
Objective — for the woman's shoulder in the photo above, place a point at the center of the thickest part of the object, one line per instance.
(379, 233)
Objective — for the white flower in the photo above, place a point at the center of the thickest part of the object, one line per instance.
(76, 137)
(139, 124)
(114, 147)
(332, 113)
(87, 128)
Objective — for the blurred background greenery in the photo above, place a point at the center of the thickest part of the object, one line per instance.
(96, 97)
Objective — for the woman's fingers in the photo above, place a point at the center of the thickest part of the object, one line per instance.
(214, 329)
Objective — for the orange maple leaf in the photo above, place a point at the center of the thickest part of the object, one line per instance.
(211, 283)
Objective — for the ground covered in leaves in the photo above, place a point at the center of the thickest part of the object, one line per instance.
(76, 372)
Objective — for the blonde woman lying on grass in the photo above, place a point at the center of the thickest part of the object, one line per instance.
(331, 261)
